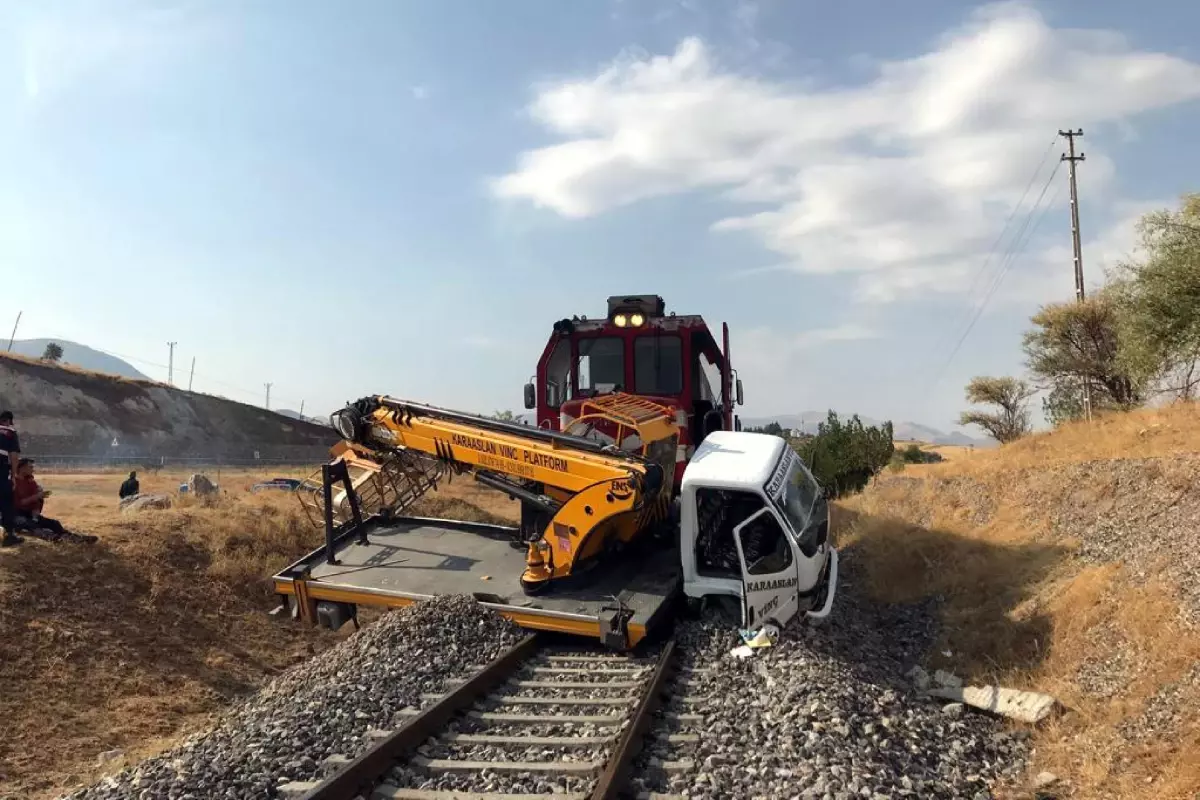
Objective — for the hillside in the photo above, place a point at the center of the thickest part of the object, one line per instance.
(1066, 562)
(67, 411)
(79, 355)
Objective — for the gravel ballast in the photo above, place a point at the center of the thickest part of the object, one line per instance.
(827, 713)
(322, 707)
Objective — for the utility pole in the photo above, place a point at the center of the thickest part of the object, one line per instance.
(1071, 159)
(301, 410)
(171, 363)
(268, 395)
(13, 338)
(192, 374)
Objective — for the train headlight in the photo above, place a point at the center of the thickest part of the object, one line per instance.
(620, 320)
(636, 320)
(345, 422)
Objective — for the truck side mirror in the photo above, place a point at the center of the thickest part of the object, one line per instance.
(530, 396)
(740, 398)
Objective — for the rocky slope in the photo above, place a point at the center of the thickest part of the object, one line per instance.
(63, 410)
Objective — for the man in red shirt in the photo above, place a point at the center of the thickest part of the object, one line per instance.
(29, 500)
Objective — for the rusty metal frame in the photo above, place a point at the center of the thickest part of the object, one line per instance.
(358, 777)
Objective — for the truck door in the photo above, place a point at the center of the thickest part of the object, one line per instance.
(769, 570)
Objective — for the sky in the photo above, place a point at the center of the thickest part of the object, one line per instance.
(402, 196)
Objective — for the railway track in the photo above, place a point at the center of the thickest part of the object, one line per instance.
(535, 722)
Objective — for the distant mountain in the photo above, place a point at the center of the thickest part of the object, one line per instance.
(808, 421)
(79, 355)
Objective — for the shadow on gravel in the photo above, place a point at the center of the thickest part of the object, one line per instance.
(908, 593)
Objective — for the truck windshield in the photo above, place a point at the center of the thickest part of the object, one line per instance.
(799, 494)
(658, 365)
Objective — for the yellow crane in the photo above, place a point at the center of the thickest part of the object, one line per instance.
(580, 498)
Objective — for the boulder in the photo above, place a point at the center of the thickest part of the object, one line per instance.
(200, 485)
(140, 502)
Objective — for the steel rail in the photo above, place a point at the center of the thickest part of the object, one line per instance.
(615, 776)
(364, 772)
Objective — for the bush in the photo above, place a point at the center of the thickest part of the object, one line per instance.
(913, 454)
(844, 456)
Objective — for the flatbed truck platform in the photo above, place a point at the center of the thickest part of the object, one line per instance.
(395, 562)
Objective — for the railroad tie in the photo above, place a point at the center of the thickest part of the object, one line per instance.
(605, 720)
(388, 792)
(462, 765)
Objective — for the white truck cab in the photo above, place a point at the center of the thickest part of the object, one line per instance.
(754, 526)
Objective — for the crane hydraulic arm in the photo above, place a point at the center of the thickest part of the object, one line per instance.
(579, 497)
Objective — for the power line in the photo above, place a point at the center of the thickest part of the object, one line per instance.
(1011, 215)
(1009, 259)
(243, 390)
(995, 248)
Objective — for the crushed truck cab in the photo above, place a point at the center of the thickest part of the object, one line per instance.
(754, 526)
(598, 551)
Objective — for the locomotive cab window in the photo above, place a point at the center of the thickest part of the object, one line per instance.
(558, 374)
(601, 365)
(658, 365)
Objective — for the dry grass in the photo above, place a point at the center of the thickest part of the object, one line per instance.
(131, 642)
(77, 370)
(1148, 433)
(1021, 609)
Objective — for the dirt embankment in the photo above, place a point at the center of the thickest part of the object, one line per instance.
(67, 411)
(1067, 563)
(123, 646)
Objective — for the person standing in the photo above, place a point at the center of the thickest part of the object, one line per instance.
(10, 450)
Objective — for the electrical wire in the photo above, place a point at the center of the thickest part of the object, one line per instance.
(1016, 246)
(206, 377)
(1012, 215)
(995, 248)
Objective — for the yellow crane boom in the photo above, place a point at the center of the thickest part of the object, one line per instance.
(579, 496)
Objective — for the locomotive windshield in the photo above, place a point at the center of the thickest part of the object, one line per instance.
(658, 365)
(601, 365)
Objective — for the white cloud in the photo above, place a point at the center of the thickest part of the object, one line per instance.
(482, 342)
(848, 332)
(126, 39)
(420, 92)
(903, 181)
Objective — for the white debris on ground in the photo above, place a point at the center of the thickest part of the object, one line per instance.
(322, 707)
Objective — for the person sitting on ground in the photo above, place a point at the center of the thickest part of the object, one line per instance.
(10, 448)
(29, 501)
(130, 487)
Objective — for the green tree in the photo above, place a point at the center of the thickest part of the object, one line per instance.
(1010, 395)
(53, 352)
(773, 428)
(1160, 300)
(844, 456)
(1063, 403)
(505, 416)
(1074, 342)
